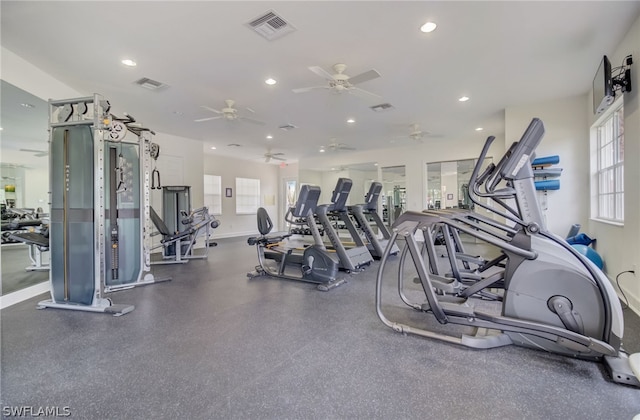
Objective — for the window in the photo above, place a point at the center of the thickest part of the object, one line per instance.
(247, 195)
(607, 166)
(213, 194)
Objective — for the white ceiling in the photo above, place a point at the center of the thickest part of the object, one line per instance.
(497, 53)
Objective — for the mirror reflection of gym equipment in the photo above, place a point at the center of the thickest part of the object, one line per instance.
(394, 193)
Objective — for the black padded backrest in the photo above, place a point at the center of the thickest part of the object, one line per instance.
(159, 223)
(307, 201)
(340, 194)
(371, 199)
(264, 222)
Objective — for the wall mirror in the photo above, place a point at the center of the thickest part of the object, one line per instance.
(448, 184)
(394, 193)
(24, 183)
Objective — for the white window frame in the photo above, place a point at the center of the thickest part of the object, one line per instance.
(607, 166)
(247, 195)
(213, 194)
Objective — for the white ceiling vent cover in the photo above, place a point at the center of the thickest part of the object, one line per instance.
(150, 84)
(270, 25)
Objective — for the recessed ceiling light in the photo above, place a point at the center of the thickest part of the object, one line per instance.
(269, 136)
(213, 147)
(479, 129)
(28, 105)
(128, 62)
(270, 81)
(351, 120)
(375, 164)
(428, 27)
(463, 99)
(321, 150)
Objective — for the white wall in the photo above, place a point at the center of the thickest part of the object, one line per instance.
(566, 135)
(620, 245)
(36, 194)
(180, 163)
(567, 122)
(233, 224)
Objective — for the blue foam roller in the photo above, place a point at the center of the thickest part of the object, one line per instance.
(549, 184)
(546, 160)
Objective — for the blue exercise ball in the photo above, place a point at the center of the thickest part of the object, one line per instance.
(590, 253)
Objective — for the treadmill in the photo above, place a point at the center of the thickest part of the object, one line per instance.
(362, 213)
(352, 258)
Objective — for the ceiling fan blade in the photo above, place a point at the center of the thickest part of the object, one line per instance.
(364, 77)
(307, 89)
(211, 109)
(251, 120)
(208, 119)
(250, 110)
(277, 154)
(267, 159)
(321, 72)
(277, 158)
(363, 93)
(342, 147)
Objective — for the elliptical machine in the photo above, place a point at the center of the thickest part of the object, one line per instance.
(317, 265)
(555, 299)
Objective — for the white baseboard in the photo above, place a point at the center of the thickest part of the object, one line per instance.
(24, 294)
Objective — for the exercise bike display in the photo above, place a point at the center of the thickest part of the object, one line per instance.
(555, 299)
(317, 265)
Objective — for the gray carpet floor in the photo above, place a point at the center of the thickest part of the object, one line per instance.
(213, 344)
(15, 257)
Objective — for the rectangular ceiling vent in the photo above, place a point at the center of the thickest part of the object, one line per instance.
(287, 127)
(150, 84)
(270, 25)
(381, 107)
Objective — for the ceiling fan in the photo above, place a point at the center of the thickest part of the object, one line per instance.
(334, 146)
(417, 134)
(340, 82)
(275, 156)
(36, 153)
(229, 113)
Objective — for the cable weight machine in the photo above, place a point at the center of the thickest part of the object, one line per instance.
(99, 193)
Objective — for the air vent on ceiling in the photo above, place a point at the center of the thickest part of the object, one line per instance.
(150, 84)
(287, 127)
(270, 25)
(381, 107)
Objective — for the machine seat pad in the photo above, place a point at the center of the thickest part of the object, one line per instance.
(31, 238)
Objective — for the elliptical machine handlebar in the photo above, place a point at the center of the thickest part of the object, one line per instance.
(490, 178)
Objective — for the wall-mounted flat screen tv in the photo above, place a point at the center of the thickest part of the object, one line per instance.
(603, 94)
